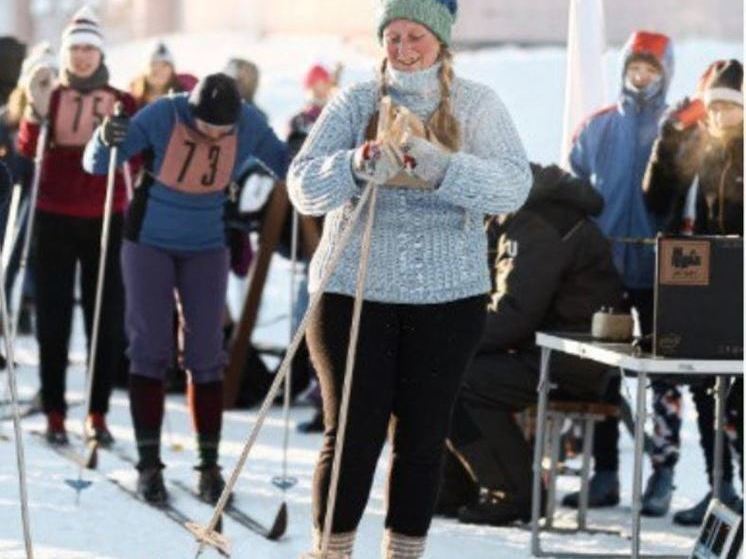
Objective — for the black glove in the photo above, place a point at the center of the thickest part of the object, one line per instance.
(114, 130)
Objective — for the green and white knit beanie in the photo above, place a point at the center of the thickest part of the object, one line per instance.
(437, 15)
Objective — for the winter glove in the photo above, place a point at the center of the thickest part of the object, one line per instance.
(376, 162)
(430, 162)
(114, 130)
(39, 93)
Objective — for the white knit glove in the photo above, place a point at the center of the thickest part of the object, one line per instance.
(39, 92)
(430, 161)
(375, 162)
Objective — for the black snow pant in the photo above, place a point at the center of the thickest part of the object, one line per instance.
(61, 243)
(484, 432)
(410, 362)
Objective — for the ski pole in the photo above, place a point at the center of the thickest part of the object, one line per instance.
(204, 535)
(41, 145)
(10, 225)
(9, 241)
(286, 482)
(105, 230)
(20, 457)
(348, 378)
(128, 181)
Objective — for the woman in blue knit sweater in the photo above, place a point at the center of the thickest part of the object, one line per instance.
(424, 303)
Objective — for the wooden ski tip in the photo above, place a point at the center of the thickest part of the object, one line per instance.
(213, 539)
(91, 456)
(280, 524)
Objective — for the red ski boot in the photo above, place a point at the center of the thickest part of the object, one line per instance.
(56, 433)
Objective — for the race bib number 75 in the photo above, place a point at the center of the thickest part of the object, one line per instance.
(78, 115)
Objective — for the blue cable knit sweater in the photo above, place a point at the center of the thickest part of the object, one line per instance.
(427, 246)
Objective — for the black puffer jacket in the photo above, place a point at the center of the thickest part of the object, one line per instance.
(552, 265)
(676, 160)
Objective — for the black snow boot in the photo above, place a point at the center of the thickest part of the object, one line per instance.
(150, 486)
(314, 425)
(457, 488)
(496, 509)
(210, 484)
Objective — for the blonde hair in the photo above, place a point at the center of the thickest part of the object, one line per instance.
(17, 103)
(442, 123)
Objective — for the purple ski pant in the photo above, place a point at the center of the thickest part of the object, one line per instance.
(150, 276)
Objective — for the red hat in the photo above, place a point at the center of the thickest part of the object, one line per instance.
(316, 74)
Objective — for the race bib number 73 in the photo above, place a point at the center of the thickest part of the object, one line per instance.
(195, 164)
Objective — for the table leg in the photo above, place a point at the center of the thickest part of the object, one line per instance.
(641, 414)
(541, 413)
(721, 384)
(588, 429)
(555, 430)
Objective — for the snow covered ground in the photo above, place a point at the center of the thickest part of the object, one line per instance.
(107, 524)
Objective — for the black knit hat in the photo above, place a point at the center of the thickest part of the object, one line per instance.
(215, 100)
(725, 84)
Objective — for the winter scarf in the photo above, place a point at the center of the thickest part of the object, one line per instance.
(98, 79)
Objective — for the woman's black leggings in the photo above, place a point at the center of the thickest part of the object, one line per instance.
(410, 361)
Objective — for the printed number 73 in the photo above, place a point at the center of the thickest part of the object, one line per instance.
(213, 155)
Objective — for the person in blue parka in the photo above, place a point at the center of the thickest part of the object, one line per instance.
(611, 150)
(193, 145)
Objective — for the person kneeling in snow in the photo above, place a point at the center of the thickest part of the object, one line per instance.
(552, 270)
(176, 239)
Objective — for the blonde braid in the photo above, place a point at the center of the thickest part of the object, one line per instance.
(443, 123)
(371, 131)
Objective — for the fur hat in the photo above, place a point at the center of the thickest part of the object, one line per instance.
(437, 15)
(725, 83)
(83, 29)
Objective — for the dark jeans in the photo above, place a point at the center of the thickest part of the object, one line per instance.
(62, 243)
(410, 361)
(497, 385)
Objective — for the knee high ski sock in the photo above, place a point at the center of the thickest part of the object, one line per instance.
(147, 398)
(206, 406)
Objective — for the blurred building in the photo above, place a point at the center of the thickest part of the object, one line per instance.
(480, 21)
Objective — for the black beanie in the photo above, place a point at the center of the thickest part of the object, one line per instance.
(726, 83)
(215, 100)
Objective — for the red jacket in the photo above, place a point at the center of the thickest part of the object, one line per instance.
(65, 188)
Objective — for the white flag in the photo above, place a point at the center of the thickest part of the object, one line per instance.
(585, 81)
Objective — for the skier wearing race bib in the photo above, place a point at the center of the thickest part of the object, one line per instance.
(69, 214)
(193, 146)
(425, 293)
